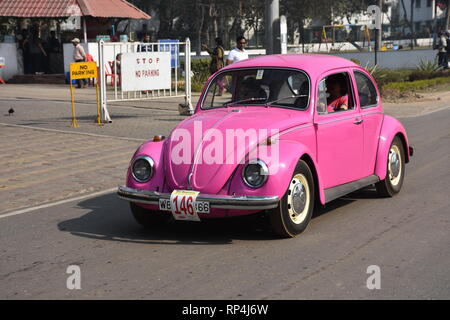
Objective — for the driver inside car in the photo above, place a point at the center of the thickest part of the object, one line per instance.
(250, 89)
(337, 90)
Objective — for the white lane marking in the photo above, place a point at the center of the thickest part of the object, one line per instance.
(52, 204)
(65, 131)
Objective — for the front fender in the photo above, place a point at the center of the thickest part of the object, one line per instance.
(390, 128)
(155, 151)
(280, 171)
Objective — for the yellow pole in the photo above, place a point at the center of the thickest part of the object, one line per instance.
(74, 123)
(324, 36)
(367, 35)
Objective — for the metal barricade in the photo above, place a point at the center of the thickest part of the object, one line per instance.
(180, 81)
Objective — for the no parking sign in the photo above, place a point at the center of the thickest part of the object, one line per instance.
(145, 71)
(83, 70)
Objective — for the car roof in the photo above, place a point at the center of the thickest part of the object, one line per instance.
(313, 64)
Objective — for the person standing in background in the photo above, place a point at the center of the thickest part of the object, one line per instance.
(79, 56)
(54, 50)
(217, 60)
(217, 56)
(116, 69)
(442, 50)
(145, 45)
(113, 36)
(238, 53)
(37, 53)
(20, 38)
(23, 39)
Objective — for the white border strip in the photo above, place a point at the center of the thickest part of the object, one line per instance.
(89, 103)
(70, 132)
(52, 204)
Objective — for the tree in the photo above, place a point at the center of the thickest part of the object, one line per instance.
(254, 16)
(447, 16)
(203, 20)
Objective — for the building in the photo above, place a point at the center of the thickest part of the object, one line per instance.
(427, 16)
(37, 30)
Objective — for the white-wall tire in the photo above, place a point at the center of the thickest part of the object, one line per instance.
(295, 209)
(395, 170)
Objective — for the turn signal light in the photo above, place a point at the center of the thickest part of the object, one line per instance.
(158, 138)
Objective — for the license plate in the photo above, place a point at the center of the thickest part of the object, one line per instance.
(183, 205)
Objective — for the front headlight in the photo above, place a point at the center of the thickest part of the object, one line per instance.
(255, 174)
(142, 168)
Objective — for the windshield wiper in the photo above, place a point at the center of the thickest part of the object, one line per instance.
(226, 104)
(284, 98)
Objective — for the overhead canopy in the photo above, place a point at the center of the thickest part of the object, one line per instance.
(67, 8)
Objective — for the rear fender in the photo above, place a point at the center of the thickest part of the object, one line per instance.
(389, 130)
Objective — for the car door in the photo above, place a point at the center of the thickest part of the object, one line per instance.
(339, 135)
(371, 113)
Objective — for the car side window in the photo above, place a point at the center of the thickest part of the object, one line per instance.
(335, 94)
(367, 93)
(322, 98)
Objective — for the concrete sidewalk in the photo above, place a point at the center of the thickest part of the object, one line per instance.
(45, 160)
(49, 106)
(38, 166)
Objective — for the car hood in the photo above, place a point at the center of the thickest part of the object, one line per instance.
(202, 152)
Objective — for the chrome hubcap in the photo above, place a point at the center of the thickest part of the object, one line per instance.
(394, 165)
(298, 198)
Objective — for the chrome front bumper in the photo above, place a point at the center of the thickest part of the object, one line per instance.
(215, 201)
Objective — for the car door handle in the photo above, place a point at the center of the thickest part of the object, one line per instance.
(358, 121)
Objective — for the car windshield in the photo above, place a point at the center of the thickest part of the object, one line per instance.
(258, 86)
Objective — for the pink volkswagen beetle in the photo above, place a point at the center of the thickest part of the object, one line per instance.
(273, 135)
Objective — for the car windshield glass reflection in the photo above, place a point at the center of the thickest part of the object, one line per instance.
(268, 87)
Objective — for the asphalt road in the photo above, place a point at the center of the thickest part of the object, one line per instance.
(406, 236)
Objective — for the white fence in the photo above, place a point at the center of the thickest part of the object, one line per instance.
(110, 76)
(342, 46)
(403, 59)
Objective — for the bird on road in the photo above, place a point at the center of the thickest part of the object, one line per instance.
(10, 111)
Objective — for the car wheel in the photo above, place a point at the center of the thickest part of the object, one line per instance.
(395, 172)
(294, 211)
(149, 218)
